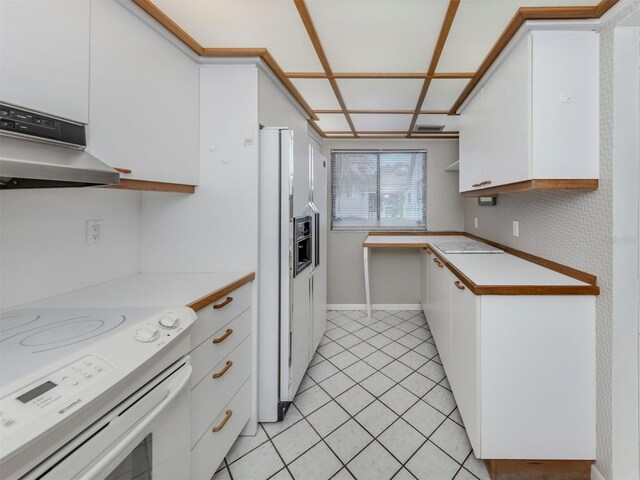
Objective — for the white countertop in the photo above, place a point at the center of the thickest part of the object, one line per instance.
(424, 240)
(505, 269)
(142, 290)
(483, 269)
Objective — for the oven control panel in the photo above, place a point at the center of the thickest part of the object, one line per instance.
(55, 394)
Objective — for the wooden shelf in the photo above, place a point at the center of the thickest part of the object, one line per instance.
(149, 186)
(564, 184)
(454, 167)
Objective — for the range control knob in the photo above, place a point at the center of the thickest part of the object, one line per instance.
(146, 333)
(169, 321)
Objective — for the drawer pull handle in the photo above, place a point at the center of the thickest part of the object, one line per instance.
(459, 285)
(437, 262)
(224, 421)
(475, 185)
(225, 303)
(486, 182)
(224, 370)
(223, 337)
(122, 170)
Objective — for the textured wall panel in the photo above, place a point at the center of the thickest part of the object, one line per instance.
(574, 228)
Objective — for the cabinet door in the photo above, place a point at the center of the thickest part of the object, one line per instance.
(464, 371)
(566, 120)
(507, 119)
(44, 46)
(439, 314)
(425, 258)
(144, 99)
(472, 143)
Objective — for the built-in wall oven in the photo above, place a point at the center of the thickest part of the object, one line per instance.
(145, 437)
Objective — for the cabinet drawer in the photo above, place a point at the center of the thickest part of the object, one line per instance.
(211, 319)
(213, 446)
(210, 396)
(228, 337)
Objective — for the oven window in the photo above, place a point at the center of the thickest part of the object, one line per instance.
(137, 466)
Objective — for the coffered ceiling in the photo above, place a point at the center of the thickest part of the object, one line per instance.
(364, 68)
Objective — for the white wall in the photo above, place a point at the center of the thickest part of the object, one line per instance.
(216, 228)
(43, 251)
(626, 266)
(395, 273)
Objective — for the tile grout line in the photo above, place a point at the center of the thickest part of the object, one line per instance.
(447, 417)
(377, 398)
(332, 398)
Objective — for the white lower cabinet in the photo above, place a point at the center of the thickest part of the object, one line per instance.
(464, 366)
(221, 382)
(521, 367)
(439, 306)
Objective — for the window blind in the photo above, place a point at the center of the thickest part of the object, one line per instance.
(378, 190)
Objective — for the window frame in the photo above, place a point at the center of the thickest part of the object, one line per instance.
(372, 228)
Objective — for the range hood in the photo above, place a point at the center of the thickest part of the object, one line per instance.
(39, 151)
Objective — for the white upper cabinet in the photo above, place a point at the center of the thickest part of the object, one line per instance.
(536, 115)
(144, 99)
(44, 56)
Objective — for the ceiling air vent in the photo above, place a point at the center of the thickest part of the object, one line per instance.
(428, 128)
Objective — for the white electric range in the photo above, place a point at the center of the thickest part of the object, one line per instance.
(64, 371)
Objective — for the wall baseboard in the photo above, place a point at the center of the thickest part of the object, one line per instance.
(374, 306)
(596, 474)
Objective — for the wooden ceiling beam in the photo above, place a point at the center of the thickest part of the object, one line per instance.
(170, 25)
(379, 75)
(391, 132)
(392, 137)
(318, 130)
(435, 58)
(383, 112)
(523, 14)
(173, 28)
(315, 41)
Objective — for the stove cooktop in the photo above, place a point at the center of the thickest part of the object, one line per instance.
(32, 338)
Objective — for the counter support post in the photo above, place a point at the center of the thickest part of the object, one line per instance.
(367, 293)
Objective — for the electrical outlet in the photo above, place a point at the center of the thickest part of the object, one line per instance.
(94, 232)
(516, 228)
(475, 222)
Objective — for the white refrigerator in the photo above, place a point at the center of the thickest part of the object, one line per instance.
(292, 274)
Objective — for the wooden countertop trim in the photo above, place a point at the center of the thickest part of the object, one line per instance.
(556, 267)
(517, 289)
(396, 245)
(209, 298)
(527, 185)
(151, 186)
(413, 232)
(591, 289)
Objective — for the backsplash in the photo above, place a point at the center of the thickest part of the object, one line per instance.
(44, 251)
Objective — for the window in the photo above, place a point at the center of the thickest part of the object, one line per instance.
(378, 190)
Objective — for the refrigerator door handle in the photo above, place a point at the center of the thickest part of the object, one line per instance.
(317, 238)
(316, 235)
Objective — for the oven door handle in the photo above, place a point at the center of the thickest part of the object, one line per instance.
(178, 384)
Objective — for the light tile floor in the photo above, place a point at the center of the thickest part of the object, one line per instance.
(375, 404)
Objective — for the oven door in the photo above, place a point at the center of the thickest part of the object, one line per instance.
(146, 437)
